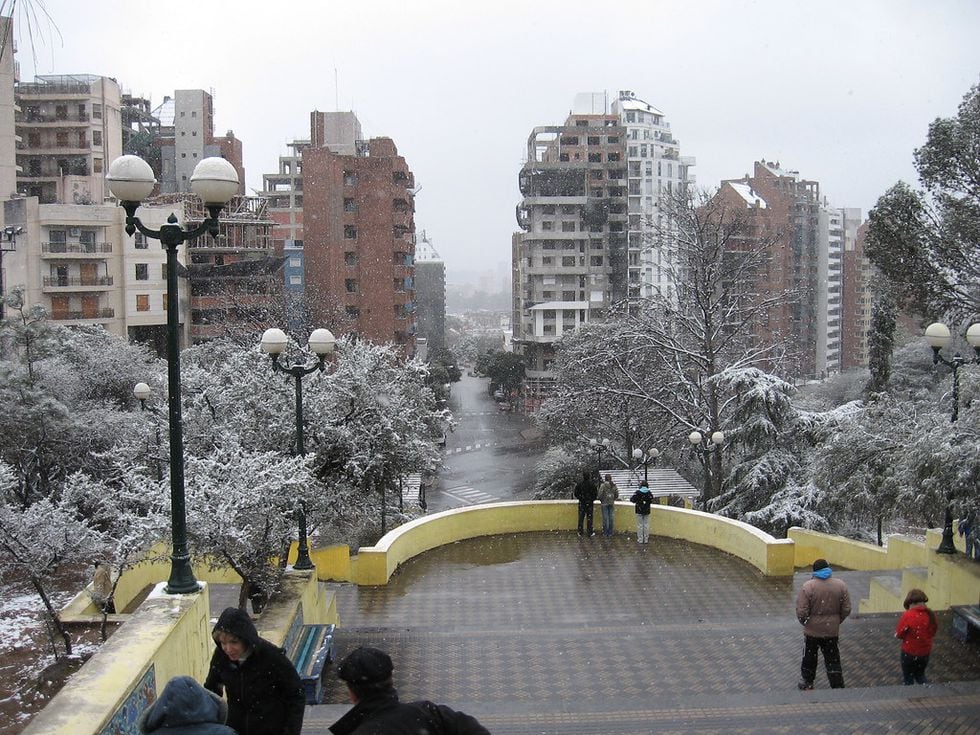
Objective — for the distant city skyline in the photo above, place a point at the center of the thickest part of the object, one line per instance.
(842, 92)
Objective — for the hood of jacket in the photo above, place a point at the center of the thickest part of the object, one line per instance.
(643, 489)
(237, 622)
(183, 702)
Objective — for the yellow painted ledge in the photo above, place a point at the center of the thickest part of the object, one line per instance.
(374, 565)
(171, 634)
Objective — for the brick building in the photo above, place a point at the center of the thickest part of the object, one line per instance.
(359, 241)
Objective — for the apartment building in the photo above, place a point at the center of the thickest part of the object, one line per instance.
(837, 235)
(359, 240)
(656, 172)
(184, 135)
(430, 294)
(856, 300)
(571, 257)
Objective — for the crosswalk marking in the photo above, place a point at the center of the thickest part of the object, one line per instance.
(470, 496)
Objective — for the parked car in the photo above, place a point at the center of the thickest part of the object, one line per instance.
(503, 406)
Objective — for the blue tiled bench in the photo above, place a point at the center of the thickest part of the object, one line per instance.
(310, 650)
(966, 621)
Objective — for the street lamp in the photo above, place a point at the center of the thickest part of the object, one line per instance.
(704, 444)
(321, 344)
(938, 337)
(646, 458)
(599, 447)
(8, 244)
(131, 180)
(142, 392)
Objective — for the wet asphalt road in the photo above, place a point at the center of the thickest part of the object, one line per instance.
(487, 458)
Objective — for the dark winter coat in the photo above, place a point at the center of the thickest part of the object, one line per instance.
(822, 605)
(586, 491)
(264, 692)
(185, 708)
(383, 714)
(642, 499)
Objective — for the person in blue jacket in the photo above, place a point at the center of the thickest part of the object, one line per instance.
(186, 708)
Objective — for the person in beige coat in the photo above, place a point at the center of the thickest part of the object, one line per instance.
(608, 495)
(821, 606)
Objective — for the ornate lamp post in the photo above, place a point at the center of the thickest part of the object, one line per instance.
(938, 337)
(599, 447)
(8, 244)
(704, 444)
(321, 344)
(646, 458)
(131, 180)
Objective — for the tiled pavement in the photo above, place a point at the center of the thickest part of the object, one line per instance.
(550, 633)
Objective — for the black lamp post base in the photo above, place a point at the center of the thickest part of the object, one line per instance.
(946, 546)
(181, 580)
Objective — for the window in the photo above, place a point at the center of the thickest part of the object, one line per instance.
(612, 156)
(547, 226)
(97, 165)
(163, 271)
(142, 271)
(296, 280)
(613, 140)
(595, 158)
(562, 156)
(350, 258)
(58, 236)
(568, 227)
(350, 178)
(568, 296)
(593, 140)
(350, 205)
(61, 112)
(350, 284)
(353, 312)
(595, 260)
(61, 139)
(568, 260)
(295, 262)
(350, 232)
(547, 260)
(142, 302)
(96, 137)
(97, 111)
(33, 140)
(87, 237)
(549, 313)
(548, 295)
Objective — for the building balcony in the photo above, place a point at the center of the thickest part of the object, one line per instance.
(51, 121)
(77, 284)
(87, 314)
(75, 249)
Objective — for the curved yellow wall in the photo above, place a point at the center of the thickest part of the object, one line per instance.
(374, 565)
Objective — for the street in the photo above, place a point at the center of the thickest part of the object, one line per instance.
(487, 458)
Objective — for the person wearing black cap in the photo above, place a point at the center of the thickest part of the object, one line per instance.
(265, 694)
(377, 711)
(821, 606)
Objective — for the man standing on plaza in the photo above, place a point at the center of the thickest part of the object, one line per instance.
(608, 495)
(585, 493)
(822, 605)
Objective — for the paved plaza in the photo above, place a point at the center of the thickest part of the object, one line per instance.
(552, 633)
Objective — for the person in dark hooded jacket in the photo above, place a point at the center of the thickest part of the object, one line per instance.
(377, 711)
(186, 708)
(265, 694)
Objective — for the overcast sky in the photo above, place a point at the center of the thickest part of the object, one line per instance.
(840, 90)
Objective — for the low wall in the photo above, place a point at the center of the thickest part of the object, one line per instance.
(170, 636)
(374, 565)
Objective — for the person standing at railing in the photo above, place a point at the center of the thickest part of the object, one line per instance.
(642, 499)
(608, 495)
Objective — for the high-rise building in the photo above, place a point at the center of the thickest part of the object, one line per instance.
(791, 205)
(359, 237)
(185, 135)
(593, 190)
(430, 294)
(656, 173)
(857, 301)
(837, 235)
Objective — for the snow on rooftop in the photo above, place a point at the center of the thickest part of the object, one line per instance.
(638, 104)
(750, 197)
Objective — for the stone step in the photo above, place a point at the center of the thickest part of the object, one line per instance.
(874, 709)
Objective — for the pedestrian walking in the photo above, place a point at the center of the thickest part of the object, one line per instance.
(821, 606)
(186, 708)
(608, 495)
(642, 499)
(916, 628)
(585, 493)
(264, 692)
(367, 672)
(970, 531)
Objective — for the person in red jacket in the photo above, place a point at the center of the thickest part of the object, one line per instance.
(916, 628)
